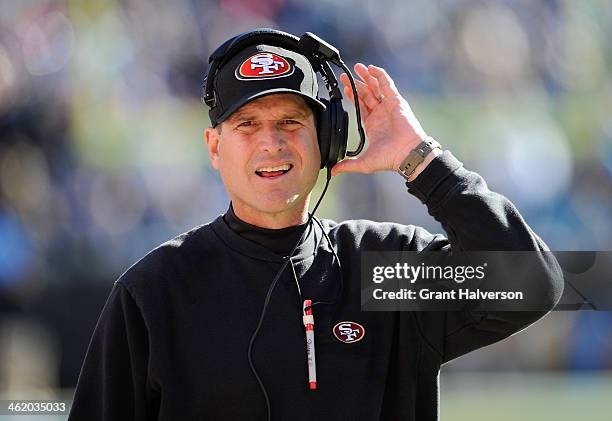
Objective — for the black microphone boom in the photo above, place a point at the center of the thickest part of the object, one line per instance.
(312, 44)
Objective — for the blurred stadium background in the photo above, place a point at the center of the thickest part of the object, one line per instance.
(102, 158)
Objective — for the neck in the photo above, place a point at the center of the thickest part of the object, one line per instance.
(297, 215)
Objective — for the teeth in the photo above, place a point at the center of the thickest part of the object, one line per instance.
(279, 168)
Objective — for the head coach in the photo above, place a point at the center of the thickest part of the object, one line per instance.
(256, 314)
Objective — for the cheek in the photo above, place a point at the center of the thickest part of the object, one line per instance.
(311, 146)
(233, 160)
(315, 153)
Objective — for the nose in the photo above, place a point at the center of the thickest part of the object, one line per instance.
(271, 138)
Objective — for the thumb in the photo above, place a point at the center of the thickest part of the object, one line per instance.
(349, 165)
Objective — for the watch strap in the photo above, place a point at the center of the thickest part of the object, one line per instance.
(416, 156)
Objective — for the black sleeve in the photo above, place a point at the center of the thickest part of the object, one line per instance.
(113, 383)
(477, 219)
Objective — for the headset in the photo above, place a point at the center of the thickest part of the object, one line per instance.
(332, 135)
(332, 124)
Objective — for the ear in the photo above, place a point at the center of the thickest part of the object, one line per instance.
(212, 138)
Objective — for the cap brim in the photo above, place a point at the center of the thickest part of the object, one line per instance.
(245, 100)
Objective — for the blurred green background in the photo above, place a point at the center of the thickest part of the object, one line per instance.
(102, 158)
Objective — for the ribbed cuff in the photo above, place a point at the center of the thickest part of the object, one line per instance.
(436, 180)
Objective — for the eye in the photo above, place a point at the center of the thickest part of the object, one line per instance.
(289, 121)
(247, 123)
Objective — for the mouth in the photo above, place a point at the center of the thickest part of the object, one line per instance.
(274, 172)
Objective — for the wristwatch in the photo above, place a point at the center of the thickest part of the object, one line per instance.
(416, 156)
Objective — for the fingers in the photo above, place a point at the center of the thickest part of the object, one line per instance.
(364, 109)
(375, 81)
(385, 83)
(368, 79)
(366, 97)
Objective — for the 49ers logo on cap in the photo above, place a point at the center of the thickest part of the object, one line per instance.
(349, 332)
(264, 66)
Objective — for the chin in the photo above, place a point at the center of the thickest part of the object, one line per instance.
(278, 204)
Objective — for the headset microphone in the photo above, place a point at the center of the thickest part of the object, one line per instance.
(312, 44)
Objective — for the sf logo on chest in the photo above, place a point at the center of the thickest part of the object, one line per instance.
(264, 66)
(349, 332)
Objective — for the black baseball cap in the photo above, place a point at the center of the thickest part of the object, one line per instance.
(260, 70)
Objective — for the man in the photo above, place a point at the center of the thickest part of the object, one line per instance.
(173, 340)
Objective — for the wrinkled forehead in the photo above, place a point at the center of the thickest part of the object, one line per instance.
(273, 107)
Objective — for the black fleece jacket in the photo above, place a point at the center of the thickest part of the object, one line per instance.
(171, 342)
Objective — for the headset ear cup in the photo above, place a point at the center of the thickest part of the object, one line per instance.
(338, 133)
(343, 135)
(324, 130)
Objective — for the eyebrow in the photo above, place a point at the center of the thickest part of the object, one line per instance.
(241, 116)
(246, 116)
